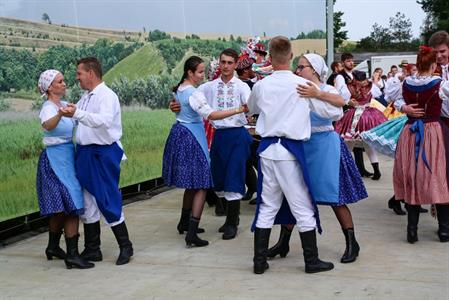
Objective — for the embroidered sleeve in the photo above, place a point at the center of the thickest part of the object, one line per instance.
(198, 102)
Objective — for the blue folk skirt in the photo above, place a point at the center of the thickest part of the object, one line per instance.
(184, 163)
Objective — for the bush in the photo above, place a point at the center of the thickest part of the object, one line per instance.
(4, 105)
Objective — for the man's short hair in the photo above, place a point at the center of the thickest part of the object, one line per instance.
(91, 63)
(393, 67)
(230, 52)
(334, 65)
(280, 49)
(439, 38)
(346, 55)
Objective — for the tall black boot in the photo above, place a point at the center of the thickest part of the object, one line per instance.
(310, 251)
(443, 222)
(192, 239)
(73, 259)
(92, 242)
(377, 174)
(282, 247)
(220, 207)
(358, 158)
(183, 224)
(412, 223)
(261, 239)
(352, 247)
(395, 205)
(250, 181)
(126, 247)
(232, 220)
(53, 249)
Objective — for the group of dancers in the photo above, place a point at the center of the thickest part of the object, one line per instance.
(304, 131)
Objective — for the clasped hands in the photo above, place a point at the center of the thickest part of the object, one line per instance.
(68, 111)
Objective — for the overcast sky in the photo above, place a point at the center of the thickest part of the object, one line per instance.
(249, 17)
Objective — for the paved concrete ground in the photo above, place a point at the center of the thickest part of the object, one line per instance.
(388, 267)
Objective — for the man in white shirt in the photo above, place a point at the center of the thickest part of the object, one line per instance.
(99, 153)
(231, 144)
(283, 123)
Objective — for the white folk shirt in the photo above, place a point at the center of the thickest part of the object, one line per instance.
(99, 116)
(283, 113)
(223, 96)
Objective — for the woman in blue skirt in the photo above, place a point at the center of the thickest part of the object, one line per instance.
(334, 178)
(186, 162)
(59, 193)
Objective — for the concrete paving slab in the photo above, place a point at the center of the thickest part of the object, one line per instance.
(163, 268)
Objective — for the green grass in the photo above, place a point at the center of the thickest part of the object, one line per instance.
(144, 135)
(143, 62)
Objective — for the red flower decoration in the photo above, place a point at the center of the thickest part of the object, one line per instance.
(425, 49)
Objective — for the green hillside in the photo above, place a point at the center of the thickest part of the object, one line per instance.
(141, 63)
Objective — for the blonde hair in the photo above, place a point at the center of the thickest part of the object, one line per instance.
(280, 49)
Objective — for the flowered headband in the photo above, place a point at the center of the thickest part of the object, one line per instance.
(425, 49)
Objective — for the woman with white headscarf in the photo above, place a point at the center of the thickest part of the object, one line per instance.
(334, 177)
(59, 193)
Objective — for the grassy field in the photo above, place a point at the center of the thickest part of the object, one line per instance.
(144, 135)
(140, 64)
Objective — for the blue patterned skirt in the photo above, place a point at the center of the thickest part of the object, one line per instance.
(184, 164)
(52, 195)
(351, 189)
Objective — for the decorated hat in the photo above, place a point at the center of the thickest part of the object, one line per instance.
(260, 48)
(244, 62)
(403, 63)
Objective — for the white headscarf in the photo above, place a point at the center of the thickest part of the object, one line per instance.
(318, 64)
(45, 80)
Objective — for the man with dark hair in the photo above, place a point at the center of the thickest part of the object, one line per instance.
(99, 153)
(337, 68)
(231, 144)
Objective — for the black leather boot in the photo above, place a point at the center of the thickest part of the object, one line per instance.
(412, 222)
(232, 220)
(282, 247)
(358, 158)
(53, 249)
(261, 239)
(377, 174)
(395, 205)
(126, 247)
(220, 207)
(183, 224)
(310, 251)
(211, 198)
(73, 259)
(443, 222)
(92, 242)
(192, 239)
(352, 247)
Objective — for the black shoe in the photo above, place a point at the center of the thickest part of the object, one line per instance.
(261, 239)
(248, 196)
(73, 259)
(126, 247)
(232, 220)
(360, 163)
(220, 207)
(53, 249)
(412, 223)
(423, 210)
(92, 242)
(192, 239)
(352, 247)
(395, 205)
(282, 247)
(376, 175)
(443, 222)
(183, 225)
(310, 251)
